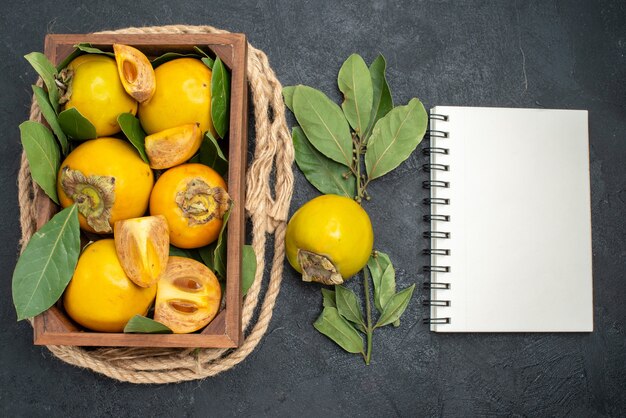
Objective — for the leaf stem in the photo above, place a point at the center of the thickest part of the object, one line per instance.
(368, 313)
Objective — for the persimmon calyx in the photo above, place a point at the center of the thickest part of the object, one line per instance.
(94, 196)
(201, 203)
(318, 268)
(64, 82)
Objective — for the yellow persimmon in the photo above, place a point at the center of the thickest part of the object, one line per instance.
(182, 96)
(95, 90)
(108, 181)
(193, 199)
(329, 239)
(100, 296)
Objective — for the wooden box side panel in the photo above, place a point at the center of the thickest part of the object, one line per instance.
(53, 327)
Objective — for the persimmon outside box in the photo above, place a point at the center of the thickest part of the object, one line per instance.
(54, 327)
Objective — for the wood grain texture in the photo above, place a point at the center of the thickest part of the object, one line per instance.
(54, 327)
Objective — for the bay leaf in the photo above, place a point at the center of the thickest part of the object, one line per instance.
(134, 132)
(394, 138)
(75, 125)
(335, 327)
(324, 124)
(141, 325)
(288, 96)
(219, 254)
(81, 49)
(325, 174)
(73, 55)
(205, 58)
(382, 100)
(383, 278)
(48, 74)
(207, 254)
(179, 252)
(220, 97)
(248, 268)
(43, 156)
(328, 298)
(209, 62)
(395, 307)
(86, 47)
(201, 52)
(348, 305)
(211, 154)
(51, 117)
(355, 83)
(192, 253)
(169, 56)
(47, 264)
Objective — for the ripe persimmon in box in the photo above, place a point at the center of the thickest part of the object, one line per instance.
(54, 326)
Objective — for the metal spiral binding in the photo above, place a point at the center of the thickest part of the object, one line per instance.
(436, 201)
(431, 184)
(443, 218)
(430, 167)
(435, 150)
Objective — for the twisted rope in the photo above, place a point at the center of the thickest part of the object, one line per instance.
(267, 208)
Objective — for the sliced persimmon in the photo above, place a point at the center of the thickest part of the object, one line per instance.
(188, 296)
(142, 246)
(173, 146)
(135, 71)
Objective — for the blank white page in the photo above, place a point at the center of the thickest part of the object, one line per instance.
(519, 220)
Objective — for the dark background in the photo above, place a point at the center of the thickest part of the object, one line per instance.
(555, 54)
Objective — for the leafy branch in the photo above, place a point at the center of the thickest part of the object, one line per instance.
(340, 150)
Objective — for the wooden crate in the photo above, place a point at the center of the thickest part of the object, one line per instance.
(54, 327)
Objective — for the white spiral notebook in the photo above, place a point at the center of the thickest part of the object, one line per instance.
(510, 220)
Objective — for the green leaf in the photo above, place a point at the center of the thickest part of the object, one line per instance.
(355, 83)
(323, 123)
(394, 138)
(328, 298)
(47, 264)
(75, 125)
(75, 54)
(248, 268)
(209, 62)
(132, 129)
(201, 52)
(214, 255)
(141, 325)
(169, 56)
(288, 96)
(220, 97)
(348, 305)
(207, 254)
(206, 58)
(86, 47)
(325, 174)
(51, 117)
(335, 327)
(179, 252)
(48, 74)
(43, 156)
(187, 253)
(384, 279)
(211, 154)
(382, 102)
(395, 307)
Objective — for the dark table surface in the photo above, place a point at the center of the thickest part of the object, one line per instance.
(555, 54)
